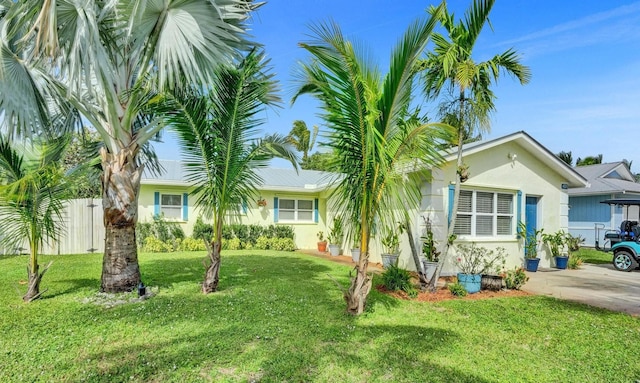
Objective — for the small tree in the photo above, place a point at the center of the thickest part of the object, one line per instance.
(467, 85)
(33, 188)
(217, 132)
(374, 146)
(302, 138)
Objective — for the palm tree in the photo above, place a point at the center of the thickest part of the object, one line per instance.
(32, 190)
(217, 134)
(589, 160)
(366, 116)
(109, 60)
(301, 137)
(451, 66)
(566, 157)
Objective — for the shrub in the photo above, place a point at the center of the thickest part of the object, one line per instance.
(232, 244)
(515, 279)
(191, 244)
(395, 279)
(574, 262)
(248, 235)
(160, 228)
(154, 245)
(263, 243)
(204, 231)
(457, 289)
(282, 244)
(143, 230)
(574, 243)
(474, 259)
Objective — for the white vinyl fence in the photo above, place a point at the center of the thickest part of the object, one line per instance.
(83, 230)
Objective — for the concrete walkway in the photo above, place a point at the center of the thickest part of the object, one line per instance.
(595, 285)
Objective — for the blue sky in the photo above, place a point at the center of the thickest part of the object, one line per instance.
(584, 95)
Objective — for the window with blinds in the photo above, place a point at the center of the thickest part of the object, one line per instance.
(485, 214)
(295, 210)
(171, 205)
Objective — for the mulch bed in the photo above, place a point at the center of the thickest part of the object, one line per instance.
(443, 294)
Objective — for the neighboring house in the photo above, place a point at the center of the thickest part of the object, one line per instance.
(511, 179)
(587, 216)
(292, 198)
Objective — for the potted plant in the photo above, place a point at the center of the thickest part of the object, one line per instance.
(555, 242)
(355, 250)
(322, 243)
(531, 243)
(474, 262)
(391, 245)
(262, 203)
(470, 265)
(430, 253)
(335, 236)
(494, 269)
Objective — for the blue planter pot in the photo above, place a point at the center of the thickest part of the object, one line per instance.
(561, 262)
(471, 282)
(531, 264)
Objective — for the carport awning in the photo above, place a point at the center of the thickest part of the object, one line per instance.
(622, 201)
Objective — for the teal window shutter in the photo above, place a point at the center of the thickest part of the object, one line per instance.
(518, 210)
(451, 195)
(275, 209)
(156, 203)
(245, 206)
(316, 214)
(185, 206)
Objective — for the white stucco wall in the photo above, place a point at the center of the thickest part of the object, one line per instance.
(493, 170)
(305, 234)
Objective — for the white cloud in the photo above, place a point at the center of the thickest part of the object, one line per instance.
(616, 25)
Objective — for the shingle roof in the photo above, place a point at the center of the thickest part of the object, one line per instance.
(274, 178)
(600, 184)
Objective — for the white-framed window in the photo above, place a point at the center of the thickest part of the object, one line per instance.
(295, 210)
(485, 214)
(171, 205)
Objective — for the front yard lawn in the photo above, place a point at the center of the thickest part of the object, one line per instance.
(279, 317)
(594, 256)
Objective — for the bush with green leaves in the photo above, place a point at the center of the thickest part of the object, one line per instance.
(154, 245)
(574, 262)
(263, 243)
(249, 236)
(457, 289)
(515, 279)
(160, 228)
(282, 244)
(395, 278)
(191, 244)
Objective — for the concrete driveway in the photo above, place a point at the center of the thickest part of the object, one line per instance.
(595, 285)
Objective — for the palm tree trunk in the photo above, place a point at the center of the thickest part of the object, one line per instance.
(456, 200)
(356, 296)
(120, 189)
(35, 277)
(212, 275)
(416, 258)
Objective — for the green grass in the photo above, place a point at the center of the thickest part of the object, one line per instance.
(589, 255)
(279, 317)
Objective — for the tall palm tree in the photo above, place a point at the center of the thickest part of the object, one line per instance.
(33, 186)
(218, 137)
(589, 160)
(109, 59)
(302, 138)
(451, 67)
(374, 146)
(566, 157)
